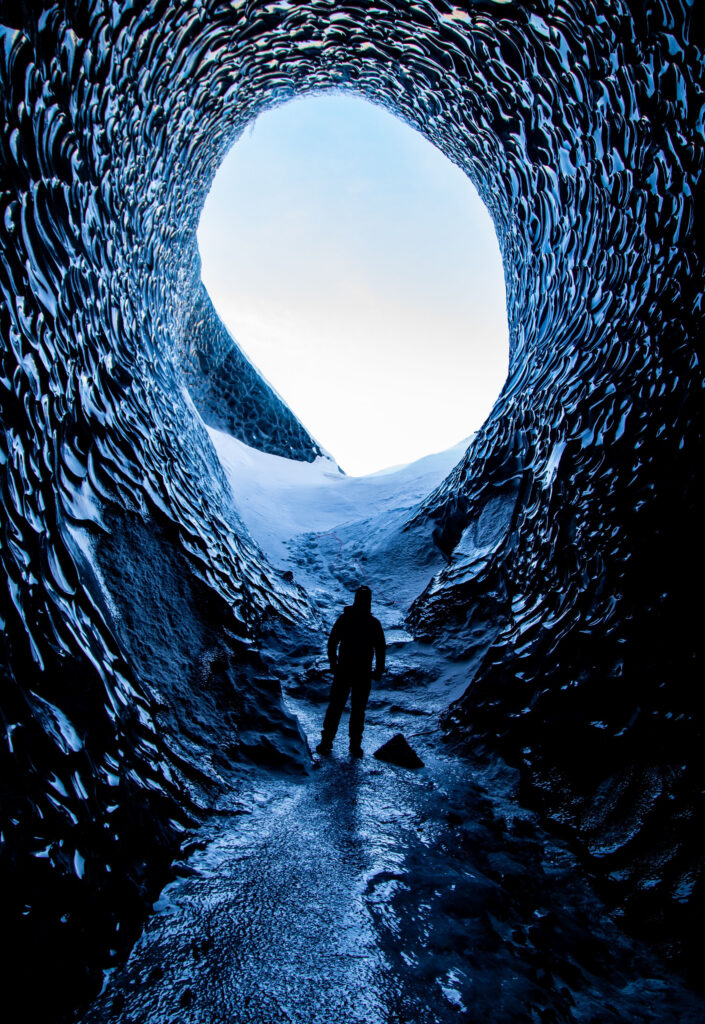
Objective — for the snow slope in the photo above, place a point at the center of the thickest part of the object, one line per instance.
(357, 521)
(280, 498)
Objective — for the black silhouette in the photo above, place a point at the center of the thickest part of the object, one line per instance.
(354, 640)
(398, 751)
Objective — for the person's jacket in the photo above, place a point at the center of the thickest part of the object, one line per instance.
(354, 640)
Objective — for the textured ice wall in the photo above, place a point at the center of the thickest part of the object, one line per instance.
(231, 395)
(130, 584)
(572, 516)
(574, 521)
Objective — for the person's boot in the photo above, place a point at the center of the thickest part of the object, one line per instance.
(324, 748)
(356, 751)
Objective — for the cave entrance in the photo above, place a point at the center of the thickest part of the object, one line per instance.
(359, 270)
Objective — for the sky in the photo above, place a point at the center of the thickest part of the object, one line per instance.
(359, 271)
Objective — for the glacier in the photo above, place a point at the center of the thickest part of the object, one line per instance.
(556, 566)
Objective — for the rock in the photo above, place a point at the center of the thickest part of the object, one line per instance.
(398, 751)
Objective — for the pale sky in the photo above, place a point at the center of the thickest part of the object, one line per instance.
(359, 271)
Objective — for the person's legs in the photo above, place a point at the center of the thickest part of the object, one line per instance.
(358, 705)
(339, 691)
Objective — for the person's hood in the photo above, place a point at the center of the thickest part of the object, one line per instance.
(356, 611)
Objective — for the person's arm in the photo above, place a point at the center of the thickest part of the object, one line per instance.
(380, 650)
(333, 641)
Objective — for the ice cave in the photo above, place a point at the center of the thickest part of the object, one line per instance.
(175, 545)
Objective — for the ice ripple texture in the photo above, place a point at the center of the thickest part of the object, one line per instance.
(573, 521)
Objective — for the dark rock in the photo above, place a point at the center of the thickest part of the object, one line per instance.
(397, 751)
(313, 685)
(216, 704)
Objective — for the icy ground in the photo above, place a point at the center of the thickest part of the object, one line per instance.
(364, 893)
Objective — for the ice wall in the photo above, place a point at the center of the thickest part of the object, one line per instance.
(230, 394)
(571, 522)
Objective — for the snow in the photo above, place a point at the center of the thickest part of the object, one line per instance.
(280, 498)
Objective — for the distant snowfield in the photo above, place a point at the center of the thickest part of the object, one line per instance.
(280, 498)
(336, 236)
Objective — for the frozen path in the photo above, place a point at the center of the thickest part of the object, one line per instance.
(364, 893)
(367, 894)
(277, 923)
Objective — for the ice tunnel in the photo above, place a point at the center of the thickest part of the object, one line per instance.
(572, 527)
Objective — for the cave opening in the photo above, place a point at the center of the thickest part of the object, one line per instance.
(359, 270)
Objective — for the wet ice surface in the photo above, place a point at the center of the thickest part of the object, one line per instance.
(365, 893)
(272, 924)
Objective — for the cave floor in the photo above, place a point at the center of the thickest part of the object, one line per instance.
(366, 893)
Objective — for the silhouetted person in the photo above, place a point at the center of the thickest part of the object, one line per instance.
(355, 639)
